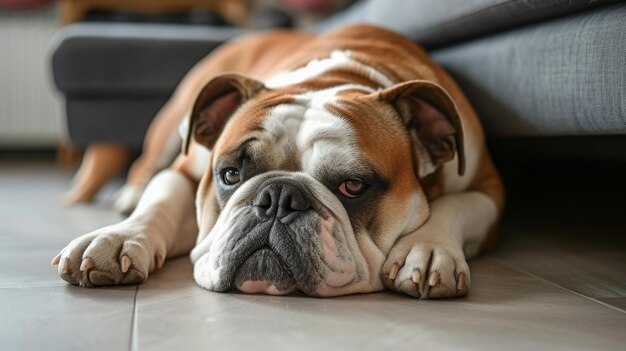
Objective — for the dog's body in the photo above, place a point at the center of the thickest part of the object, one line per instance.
(338, 164)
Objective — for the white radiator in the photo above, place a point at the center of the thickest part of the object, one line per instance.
(31, 112)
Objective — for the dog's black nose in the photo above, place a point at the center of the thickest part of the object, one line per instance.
(280, 199)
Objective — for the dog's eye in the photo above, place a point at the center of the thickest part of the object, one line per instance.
(352, 188)
(231, 176)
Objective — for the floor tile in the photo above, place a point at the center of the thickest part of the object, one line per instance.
(593, 269)
(576, 239)
(30, 206)
(506, 309)
(26, 263)
(66, 318)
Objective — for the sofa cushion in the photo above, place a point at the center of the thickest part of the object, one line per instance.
(564, 77)
(435, 23)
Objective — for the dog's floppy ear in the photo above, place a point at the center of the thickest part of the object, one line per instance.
(432, 118)
(217, 101)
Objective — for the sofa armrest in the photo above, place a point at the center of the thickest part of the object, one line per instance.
(127, 60)
(116, 76)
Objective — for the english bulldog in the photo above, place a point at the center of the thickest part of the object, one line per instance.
(336, 164)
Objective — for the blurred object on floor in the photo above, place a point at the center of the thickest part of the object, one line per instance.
(235, 11)
(24, 4)
(306, 13)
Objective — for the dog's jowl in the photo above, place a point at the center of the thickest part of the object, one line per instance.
(330, 165)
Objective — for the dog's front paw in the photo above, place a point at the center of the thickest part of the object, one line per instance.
(118, 254)
(426, 270)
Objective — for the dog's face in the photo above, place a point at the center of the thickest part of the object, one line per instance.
(308, 190)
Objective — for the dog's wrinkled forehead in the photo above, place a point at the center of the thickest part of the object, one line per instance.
(301, 134)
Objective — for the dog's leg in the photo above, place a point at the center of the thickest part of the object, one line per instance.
(163, 225)
(100, 163)
(162, 143)
(431, 262)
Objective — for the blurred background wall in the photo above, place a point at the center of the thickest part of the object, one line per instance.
(31, 114)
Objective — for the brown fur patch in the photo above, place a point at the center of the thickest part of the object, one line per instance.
(384, 142)
(250, 117)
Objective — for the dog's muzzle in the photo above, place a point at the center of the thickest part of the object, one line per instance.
(271, 269)
(278, 234)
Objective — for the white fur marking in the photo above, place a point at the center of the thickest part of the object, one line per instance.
(426, 166)
(201, 158)
(319, 98)
(337, 60)
(317, 132)
(183, 127)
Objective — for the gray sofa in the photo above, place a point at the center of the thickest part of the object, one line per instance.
(530, 67)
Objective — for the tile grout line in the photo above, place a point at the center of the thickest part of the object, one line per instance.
(559, 286)
(134, 338)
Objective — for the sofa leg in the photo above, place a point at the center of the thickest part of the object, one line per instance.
(101, 162)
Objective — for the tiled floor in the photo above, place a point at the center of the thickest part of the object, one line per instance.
(558, 281)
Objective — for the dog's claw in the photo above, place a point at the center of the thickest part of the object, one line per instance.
(433, 279)
(158, 261)
(125, 262)
(64, 266)
(86, 264)
(394, 271)
(461, 284)
(56, 260)
(416, 276)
